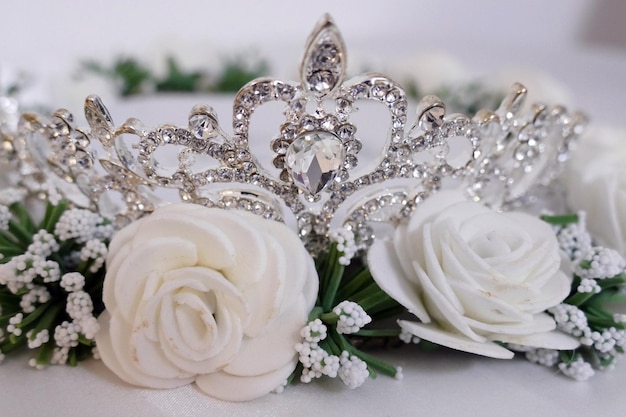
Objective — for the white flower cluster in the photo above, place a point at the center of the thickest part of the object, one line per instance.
(607, 344)
(574, 239)
(94, 249)
(408, 337)
(36, 340)
(72, 281)
(36, 295)
(353, 371)
(345, 244)
(317, 362)
(577, 369)
(5, 217)
(34, 274)
(11, 195)
(545, 357)
(82, 225)
(599, 263)
(352, 317)
(314, 332)
(570, 319)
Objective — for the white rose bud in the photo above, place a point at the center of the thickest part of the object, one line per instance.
(474, 276)
(205, 295)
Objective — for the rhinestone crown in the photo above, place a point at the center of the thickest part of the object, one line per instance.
(317, 179)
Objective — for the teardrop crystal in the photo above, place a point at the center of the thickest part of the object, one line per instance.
(313, 160)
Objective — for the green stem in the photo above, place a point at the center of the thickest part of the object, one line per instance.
(357, 283)
(337, 269)
(47, 320)
(315, 313)
(45, 353)
(50, 220)
(616, 281)
(329, 318)
(22, 214)
(562, 220)
(372, 362)
(378, 332)
(375, 363)
(6, 239)
(24, 238)
(579, 298)
(30, 318)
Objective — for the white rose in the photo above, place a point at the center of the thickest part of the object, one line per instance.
(474, 276)
(205, 295)
(595, 179)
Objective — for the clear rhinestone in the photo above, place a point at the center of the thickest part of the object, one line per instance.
(353, 146)
(285, 92)
(288, 131)
(168, 136)
(322, 82)
(343, 105)
(431, 118)
(203, 126)
(280, 146)
(313, 160)
(346, 131)
(184, 137)
(326, 56)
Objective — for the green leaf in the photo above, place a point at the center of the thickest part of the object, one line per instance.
(178, 80)
(236, 74)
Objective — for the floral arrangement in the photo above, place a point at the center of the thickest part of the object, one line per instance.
(212, 291)
(236, 303)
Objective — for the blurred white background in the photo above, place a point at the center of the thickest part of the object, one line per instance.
(580, 43)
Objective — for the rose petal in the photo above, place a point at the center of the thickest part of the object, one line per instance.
(549, 340)
(440, 309)
(222, 329)
(114, 346)
(539, 323)
(261, 354)
(227, 387)
(404, 251)
(161, 254)
(265, 296)
(225, 342)
(455, 341)
(487, 307)
(214, 246)
(389, 276)
(432, 267)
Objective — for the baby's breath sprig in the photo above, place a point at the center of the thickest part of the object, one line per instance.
(598, 283)
(348, 301)
(51, 277)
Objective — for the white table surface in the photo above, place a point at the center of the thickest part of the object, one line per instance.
(439, 383)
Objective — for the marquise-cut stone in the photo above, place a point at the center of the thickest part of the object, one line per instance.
(313, 160)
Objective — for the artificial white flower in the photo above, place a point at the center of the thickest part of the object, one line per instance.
(474, 276)
(205, 295)
(595, 179)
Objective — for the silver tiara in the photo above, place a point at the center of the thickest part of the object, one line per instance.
(319, 178)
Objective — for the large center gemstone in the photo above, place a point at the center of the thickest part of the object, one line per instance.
(313, 159)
